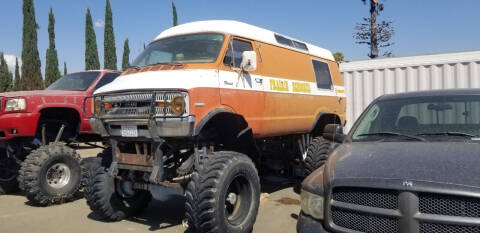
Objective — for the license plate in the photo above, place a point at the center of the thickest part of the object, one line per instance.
(129, 131)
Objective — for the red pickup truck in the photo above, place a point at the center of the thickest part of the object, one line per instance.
(35, 130)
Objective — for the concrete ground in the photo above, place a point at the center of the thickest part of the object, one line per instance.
(279, 207)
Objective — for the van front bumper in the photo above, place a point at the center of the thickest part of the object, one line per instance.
(148, 128)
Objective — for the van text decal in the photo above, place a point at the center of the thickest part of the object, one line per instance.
(278, 85)
(300, 87)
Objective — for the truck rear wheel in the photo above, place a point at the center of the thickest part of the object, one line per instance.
(106, 199)
(51, 175)
(317, 154)
(223, 194)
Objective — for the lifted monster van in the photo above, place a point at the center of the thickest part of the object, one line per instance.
(205, 109)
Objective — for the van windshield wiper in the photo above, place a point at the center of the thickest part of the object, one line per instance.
(166, 63)
(461, 134)
(388, 133)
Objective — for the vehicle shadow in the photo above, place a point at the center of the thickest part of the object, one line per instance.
(159, 214)
(271, 184)
(171, 211)
(78, 196)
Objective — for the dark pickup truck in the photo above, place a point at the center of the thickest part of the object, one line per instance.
(409, 164)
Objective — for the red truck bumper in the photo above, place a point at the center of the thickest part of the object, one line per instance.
(15, 125)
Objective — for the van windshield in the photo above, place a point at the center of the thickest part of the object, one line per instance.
(193, 48)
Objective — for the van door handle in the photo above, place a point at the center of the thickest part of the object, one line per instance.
(258, 80)
(228, 83)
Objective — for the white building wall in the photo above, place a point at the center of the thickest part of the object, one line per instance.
(368, 79)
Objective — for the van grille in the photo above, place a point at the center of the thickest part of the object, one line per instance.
(141, 105)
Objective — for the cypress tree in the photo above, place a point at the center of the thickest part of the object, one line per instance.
(16, 83)
(31, 74)
(51, 67)
(5, 75)
(126, 55)
(110, 55)
(92, 61)
(65, 68)
(3, 71)
(174, 12)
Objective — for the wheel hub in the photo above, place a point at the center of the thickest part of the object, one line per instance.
(232, 198)
(58, 175)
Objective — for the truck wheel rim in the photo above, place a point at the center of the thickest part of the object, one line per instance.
(238, 200)
(58, 175)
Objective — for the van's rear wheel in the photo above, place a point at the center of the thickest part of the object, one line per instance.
(223, 194)
(317, 154)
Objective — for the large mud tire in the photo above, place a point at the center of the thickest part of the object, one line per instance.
(317, 154)
(89, 168)
(105, 201)
(223, 194)
(51, 175)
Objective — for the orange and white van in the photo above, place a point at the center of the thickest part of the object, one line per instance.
(208, 106)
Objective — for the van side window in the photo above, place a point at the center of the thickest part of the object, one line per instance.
(291, 43)
(322, 74)
(106, 79)
(239, 46)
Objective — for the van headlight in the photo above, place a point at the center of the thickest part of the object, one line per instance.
(18, 104)
(312, 204)
(177, 105)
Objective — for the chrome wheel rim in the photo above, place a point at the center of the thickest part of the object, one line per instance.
(58, 175)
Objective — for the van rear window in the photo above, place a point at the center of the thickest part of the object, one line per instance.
(322, 74)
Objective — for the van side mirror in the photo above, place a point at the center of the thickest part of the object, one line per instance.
(334, 133)
(249, 61)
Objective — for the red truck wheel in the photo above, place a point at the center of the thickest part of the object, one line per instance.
(51, 175)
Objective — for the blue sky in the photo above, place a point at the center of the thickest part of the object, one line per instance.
(422, 26)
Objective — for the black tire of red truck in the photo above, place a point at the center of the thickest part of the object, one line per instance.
(51, 175)
(223, 194)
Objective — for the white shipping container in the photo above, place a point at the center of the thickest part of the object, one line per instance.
(368, 79)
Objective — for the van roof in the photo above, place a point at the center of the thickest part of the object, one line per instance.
(242, 30)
